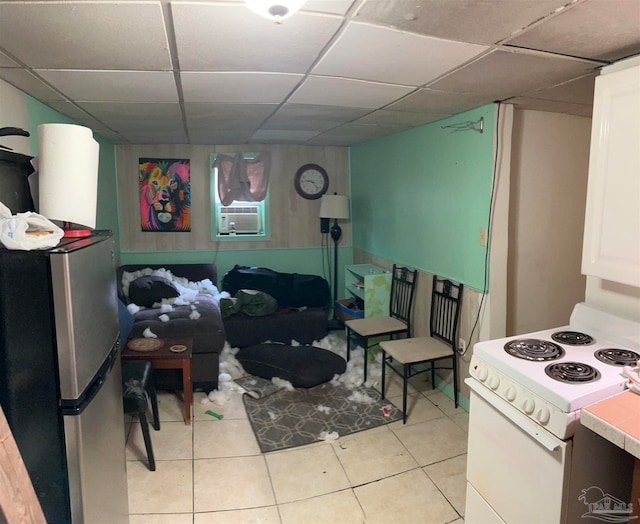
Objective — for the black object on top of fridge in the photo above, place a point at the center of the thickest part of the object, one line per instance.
(60, 380)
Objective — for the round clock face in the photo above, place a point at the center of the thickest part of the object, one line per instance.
(311, 181)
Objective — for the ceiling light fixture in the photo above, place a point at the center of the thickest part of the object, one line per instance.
(276, 10)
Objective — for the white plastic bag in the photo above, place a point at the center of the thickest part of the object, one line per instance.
(27, 231)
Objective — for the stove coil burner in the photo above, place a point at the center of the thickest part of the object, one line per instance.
(534, 349)
(572, 338)
(617, 357)
(572, 372)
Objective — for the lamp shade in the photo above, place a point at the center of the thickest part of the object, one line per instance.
(334, 206)
(276, 10)
(68, 173)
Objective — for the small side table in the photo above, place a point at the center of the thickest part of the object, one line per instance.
(164, 358)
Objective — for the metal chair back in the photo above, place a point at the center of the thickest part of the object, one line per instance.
(403, 286)
(445, 310)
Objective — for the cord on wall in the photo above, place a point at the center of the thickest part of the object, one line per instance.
(469, 125)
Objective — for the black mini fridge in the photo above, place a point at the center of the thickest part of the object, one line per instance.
(60, 381)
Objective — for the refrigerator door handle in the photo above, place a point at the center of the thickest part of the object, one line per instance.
(75, 407)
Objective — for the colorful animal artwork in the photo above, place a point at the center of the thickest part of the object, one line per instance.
(165, 194)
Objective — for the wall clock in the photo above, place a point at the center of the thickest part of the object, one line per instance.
(311, 181)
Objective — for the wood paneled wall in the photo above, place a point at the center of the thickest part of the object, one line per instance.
(294, 220)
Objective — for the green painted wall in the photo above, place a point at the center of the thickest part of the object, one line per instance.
(107, 212)
(421, 196)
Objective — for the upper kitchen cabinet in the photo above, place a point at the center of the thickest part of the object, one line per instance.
(612, 223)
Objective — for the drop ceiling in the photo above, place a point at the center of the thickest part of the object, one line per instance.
(338, 72)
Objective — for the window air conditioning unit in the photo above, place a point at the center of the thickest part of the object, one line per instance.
(239, 220)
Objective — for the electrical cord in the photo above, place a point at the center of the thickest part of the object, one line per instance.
(489, 237)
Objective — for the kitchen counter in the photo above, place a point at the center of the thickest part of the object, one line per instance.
(617, 419)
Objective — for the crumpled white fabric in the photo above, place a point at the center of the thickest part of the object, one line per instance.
(633, 374)
(27, 231)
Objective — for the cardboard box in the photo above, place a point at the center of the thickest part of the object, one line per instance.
(342, 312)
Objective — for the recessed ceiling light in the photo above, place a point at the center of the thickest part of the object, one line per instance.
(276, 10)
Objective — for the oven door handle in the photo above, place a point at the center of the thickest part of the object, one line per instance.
(522, 421)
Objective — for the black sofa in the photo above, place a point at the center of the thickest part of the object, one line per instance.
(302, 307)
(207, 331)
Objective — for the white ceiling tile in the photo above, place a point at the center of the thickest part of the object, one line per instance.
(503, 74)
(76, 113)
(231, 38)
(400, 118)
(156, 136)
(433, 101)
(113, 86)
(578, 91)
(150, 112)
(585, 30)
(380, 54)
(330, 91)
(247, 88)
(338, 7)
(350, 134)
(85, 35)
(312, 117)
(6, 61)
(485, 22)
(282, 136)
(29, 83)
(218, 137)
(536, 104)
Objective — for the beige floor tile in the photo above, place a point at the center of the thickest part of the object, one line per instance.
(172, 442)
(393, 386)
(372, 455)
(170, 406)
(305, 472)
(266, 515)
(169, 489)
(408, 498)
(224, 438)
(433, 441)
(173, 518)
(231, 483)
(462, 420)
(339, 507)
(450, 477)
(419, 409)
(233, 409)
(445, 403)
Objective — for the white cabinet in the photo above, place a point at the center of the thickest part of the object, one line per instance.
(611, 248)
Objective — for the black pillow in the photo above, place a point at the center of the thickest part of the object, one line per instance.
(145, 291)
(303, 366)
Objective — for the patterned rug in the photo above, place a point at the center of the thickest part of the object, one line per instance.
(284, 419)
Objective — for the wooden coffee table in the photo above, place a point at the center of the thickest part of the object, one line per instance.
(159, 352)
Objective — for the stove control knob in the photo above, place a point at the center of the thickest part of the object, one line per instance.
(482, 374)
(528, 405)
(494, 382)
(543, 415)
(510, 394)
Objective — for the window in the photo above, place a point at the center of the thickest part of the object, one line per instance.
(239, 196)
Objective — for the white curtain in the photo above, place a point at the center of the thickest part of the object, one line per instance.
(241, 178)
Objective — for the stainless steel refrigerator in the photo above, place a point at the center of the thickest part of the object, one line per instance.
(60, 381)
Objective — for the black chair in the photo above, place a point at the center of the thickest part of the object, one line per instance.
(138, 388)
(446, 298)
(398, 322)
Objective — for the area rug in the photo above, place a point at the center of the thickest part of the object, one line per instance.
(283, 419)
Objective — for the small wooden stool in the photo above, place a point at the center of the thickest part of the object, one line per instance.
(137, 385)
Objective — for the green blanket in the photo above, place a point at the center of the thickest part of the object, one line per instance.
(250, 301)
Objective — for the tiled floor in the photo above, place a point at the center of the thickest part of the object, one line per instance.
(213, 471)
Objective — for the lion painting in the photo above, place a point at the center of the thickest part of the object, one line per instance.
(165, 195)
